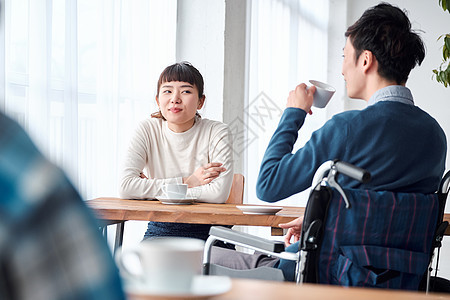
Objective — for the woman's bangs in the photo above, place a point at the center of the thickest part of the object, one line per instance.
(178, 73)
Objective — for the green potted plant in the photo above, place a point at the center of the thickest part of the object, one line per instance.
(443, 72)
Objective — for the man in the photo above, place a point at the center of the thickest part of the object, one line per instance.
(50, 245)
(399, 144)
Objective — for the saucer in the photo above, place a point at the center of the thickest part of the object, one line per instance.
(202, 287)
(165, 200)
(259, 209)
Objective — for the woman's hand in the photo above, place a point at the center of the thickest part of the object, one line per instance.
(294, 230)
(204, 175)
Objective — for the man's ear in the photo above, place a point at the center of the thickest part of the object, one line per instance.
(368, 60)
(201, 101)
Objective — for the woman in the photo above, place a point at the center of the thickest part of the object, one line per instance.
(177, 146)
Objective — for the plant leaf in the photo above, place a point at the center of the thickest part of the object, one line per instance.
(447, 73)
(443, 76)
(447, 41)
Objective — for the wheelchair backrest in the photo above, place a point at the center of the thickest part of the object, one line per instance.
(383, 240)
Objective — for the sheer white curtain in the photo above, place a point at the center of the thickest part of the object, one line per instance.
(79, 75)
(289, 45)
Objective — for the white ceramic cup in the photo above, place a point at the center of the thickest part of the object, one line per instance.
(323, 93)
(166, 265)
(175, 190)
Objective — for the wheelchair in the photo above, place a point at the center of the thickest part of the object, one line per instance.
(352, 237)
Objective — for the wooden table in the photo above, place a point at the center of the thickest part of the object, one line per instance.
(117, 211)
(244, 289)
(197, 213)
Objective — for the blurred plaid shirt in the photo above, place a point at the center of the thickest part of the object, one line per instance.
(50, 245)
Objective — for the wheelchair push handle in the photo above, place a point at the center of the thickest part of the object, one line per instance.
(352, 171)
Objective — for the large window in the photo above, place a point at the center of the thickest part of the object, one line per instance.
(80, 74)
(289, 45)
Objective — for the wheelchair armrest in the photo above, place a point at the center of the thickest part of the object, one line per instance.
(229, 235)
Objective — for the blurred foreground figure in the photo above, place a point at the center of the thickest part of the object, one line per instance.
(50, 247)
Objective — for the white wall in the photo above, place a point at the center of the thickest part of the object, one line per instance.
(336, 40)
(200, 40)
(429, 95)
(235, 91)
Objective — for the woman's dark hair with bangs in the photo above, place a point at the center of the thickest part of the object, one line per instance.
(385, 30)
(183, 71)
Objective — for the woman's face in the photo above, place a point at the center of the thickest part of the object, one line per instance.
(179, 102)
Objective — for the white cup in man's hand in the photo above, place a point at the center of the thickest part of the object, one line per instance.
(165, 265)
(323, 93)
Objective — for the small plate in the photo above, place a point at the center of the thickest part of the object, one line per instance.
(203, 287)
(259, 209)
(187, 200)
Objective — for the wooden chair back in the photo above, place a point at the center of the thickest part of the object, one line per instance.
(237, 190)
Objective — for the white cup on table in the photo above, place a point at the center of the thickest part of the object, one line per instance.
(323, 93)
(165, 265)
(175, 190)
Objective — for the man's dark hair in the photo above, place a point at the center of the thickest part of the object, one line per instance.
(385, 30)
